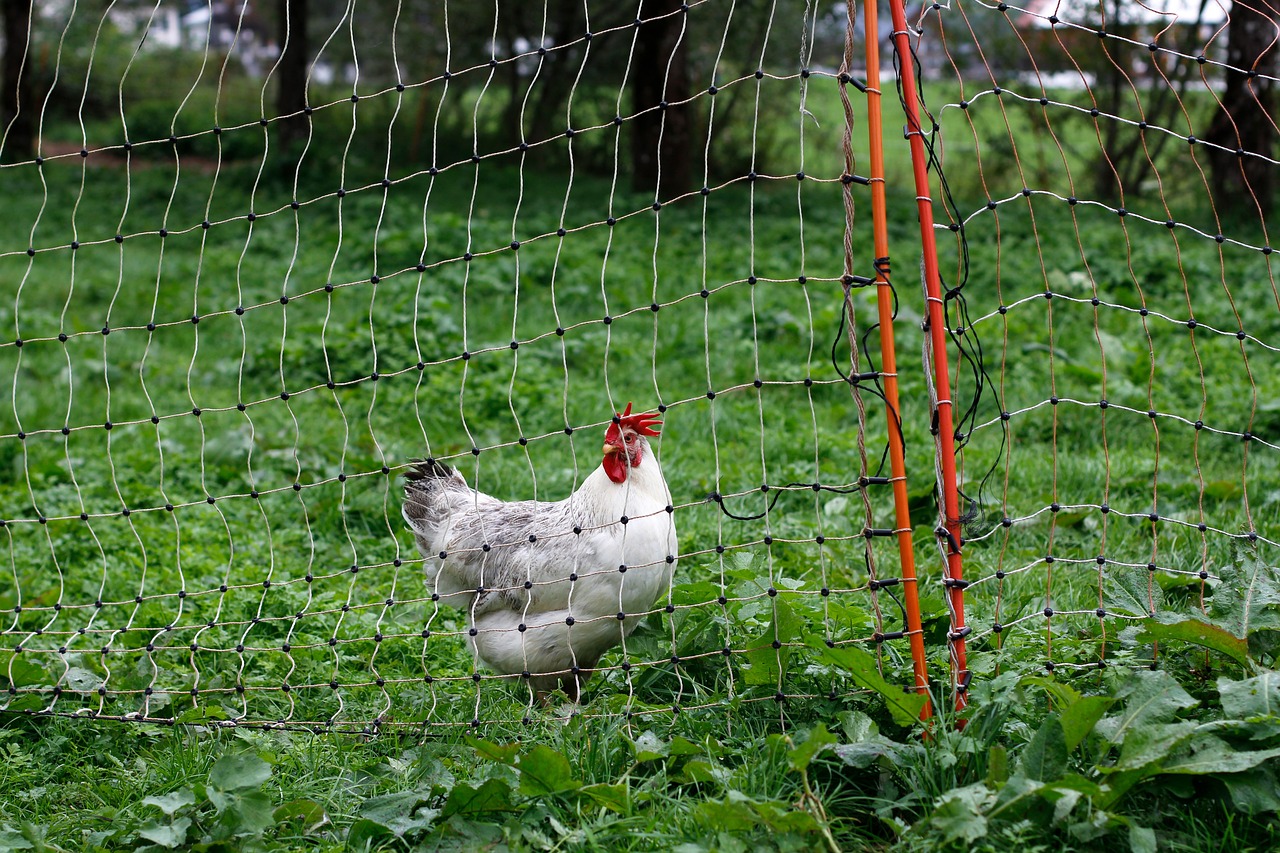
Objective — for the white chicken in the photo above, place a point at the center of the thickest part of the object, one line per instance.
(548, 587)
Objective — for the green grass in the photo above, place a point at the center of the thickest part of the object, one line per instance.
(730, 770)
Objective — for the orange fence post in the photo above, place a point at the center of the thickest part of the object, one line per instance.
(888, 355)
(937, 331)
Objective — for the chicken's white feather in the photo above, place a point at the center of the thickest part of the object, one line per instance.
(567, 589)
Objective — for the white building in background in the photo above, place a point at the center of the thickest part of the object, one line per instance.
(1154, 14)
(216, 25)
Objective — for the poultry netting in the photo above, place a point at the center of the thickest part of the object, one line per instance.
(1116, 163)
(475, 234)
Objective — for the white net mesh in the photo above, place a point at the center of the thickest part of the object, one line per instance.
(1111, 169)
(260, 259)
(236, 321)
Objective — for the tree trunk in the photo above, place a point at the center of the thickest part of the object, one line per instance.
(660, 137)
(17, 111)
(1244, 121)
(291, 94)
(546, 115)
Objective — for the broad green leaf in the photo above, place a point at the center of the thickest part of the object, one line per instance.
(545, 771)
(1149, 697)
(1076, 782)
(732, 814)
(783, 817)
(1079, 718)
(239, 772)
(170, 803)
(857, 726)
(960, 814)
(494, 795)
(1025, 797)
(1254, 791)
(1200, 633)
(649, 747)
(819, 739)
(1119, 784)
(501, 753)
(22, 702)
(1065, 804)
(697, 771)
(1253, 697)
(1214, 755)
(1150, 744)
(366, 834)
(82, 680)
(727, 845)
(1045, 757)
(466, 835)
(202, 713)
(767, 663)
(248, 813)
(1141, 839)
(400, 813)
(904, 707)
(1015, 797)
(11, 839)
(1098, 824)
(693, 594)
(738, 812)
(612, 797)
(1130, 590)
(307, 814)
(865, 753)
(1061, 693)
(1264, 645)
(168, 836)
(22, 671)
(739, 564)
(1248, 598)
(682, 746)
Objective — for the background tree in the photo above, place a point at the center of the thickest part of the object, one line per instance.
(661, 141)
(1245, 117)
(292, 18)
(17, 112)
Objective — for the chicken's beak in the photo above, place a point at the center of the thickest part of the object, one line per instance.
(610, 449)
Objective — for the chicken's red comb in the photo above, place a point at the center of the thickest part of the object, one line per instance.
(641, 422)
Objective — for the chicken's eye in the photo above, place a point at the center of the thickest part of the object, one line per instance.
(630, 439)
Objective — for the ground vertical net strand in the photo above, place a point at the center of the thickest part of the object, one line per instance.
(704, 282)
(71, 468)
(774, 639)
(515, 236)
(291, 35)
(812, 355)
(387, 618)
(656, 273)
(615, 174)
(263, 606)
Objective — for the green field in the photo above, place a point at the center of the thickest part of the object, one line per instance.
(214, 631)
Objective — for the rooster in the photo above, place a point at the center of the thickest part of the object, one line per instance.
(548, 587)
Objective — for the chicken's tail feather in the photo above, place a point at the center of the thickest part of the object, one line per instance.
(433, 492)
(422, 472)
